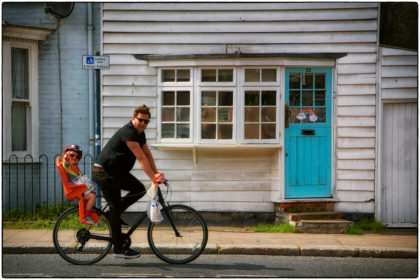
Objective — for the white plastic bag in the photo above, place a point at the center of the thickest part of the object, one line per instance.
(153, 211)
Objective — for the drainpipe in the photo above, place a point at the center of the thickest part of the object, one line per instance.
(90, 79)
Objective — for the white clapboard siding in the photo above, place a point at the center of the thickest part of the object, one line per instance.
(355, 185)
(243, 27)
(232, 180)
(168, 6)
(356, 132)
(399, 150)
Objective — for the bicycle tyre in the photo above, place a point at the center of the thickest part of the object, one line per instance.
(182, 249)
(69, 234)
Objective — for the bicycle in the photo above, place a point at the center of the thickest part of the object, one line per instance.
(179, 239)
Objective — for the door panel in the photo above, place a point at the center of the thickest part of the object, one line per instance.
(308, 132)
(399, 165)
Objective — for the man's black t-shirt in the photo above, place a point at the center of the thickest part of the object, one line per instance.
(116, 158)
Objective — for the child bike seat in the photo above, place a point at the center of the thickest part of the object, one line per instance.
(74, 191)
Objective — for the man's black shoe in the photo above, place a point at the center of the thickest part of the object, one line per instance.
(123, 224)
(127, 254)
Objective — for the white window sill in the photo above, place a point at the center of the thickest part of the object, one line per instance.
(169, 146)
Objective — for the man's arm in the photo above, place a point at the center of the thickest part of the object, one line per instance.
(143, 159)
(149, 156)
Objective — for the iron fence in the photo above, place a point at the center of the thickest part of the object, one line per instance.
(29, 183)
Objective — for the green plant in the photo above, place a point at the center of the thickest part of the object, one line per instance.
(43, 217)
(281, 228)
(366, 224)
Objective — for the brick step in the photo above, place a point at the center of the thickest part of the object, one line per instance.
(322, 226)
(327, 215)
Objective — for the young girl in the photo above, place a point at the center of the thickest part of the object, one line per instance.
(71, 157)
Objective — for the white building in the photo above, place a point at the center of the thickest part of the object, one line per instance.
(259, 104)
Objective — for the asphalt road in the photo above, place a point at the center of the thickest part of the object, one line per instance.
(223, 266)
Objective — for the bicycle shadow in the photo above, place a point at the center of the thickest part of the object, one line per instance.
(199, 266)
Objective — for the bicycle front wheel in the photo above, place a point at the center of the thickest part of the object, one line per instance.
(181, 237)
(78, 243)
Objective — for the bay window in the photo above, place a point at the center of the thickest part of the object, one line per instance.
(219, 105)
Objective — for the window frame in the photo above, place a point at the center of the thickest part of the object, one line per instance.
(251, 84)
(175, 84)
(197, 123)
(217, 84)
(33, 110)
(278, 117)
(159, 115)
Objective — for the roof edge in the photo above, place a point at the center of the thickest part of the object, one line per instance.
(240, 55)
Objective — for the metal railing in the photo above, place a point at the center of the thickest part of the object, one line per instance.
(29, 183)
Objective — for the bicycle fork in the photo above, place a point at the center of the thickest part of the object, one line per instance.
(166, 211)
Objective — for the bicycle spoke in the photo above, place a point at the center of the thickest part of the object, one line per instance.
(188, 245)
(78, 243)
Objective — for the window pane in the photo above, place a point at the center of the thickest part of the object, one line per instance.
(268, 98)
(225, 131)
(168, 98)
(269, 75)
(252, 98)
(252, 75)
(19, 126)
(252, 114)
(225, 75)
(208, 75)
(208, 114)
(208, 98)
(268, 131)
(294, 80)
(225, 98)
(307, 98)
(320, 80)
(208, 131)
(183, 114)
(321, 114)
(308, 81)
(252, 131)
(168, 114)
(168, 130)
(294, 98)
(183, 98)
(183, 75)
(320, 98)
(20, 73)
(183, 131)
(168, 75)
(225, 114)
(268, 114)
(293, 115)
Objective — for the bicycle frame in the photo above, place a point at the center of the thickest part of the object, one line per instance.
(142, 217)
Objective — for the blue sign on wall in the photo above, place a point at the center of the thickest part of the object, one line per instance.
(95, 62)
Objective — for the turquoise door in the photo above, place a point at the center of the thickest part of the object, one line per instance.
(308, 133)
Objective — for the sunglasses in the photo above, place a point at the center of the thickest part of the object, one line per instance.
(143, 120)
(72, 155)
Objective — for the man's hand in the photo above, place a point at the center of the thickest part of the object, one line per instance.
(160, 178)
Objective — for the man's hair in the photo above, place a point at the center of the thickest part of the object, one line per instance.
(142, 110)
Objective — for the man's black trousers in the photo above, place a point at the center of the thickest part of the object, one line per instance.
(111, 187)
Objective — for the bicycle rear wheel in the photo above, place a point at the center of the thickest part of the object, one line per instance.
(78, 243)
(188, 244)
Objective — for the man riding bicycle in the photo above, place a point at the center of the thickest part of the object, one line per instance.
(111, 172)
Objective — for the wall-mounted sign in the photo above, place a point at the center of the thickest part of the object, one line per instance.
(95, 62)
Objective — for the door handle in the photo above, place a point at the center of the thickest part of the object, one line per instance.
(286, 115)
(308, 132)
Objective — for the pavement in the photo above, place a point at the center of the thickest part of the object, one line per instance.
(402, 243)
